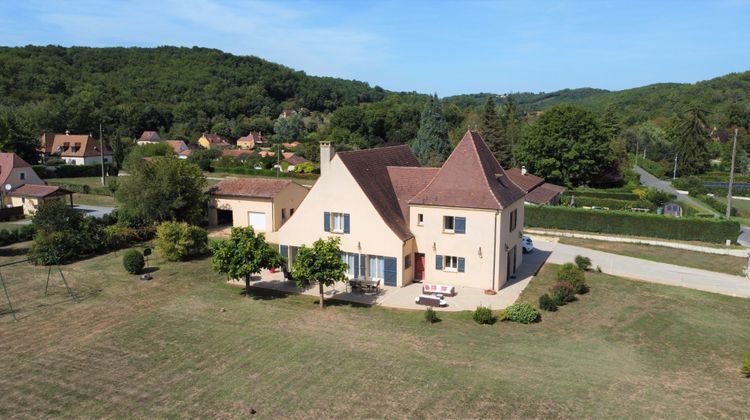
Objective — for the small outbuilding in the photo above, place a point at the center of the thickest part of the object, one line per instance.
(29, 196)
(263, 203)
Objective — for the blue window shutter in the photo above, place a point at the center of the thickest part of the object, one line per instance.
(327, 221)
(459, 225)
(438, 262)
(356, 267)
(461, 264)
(346, 222)
(389, 271)
(362, 259)
(284, 251)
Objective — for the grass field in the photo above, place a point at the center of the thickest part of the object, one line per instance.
(712, 262)
(302, 181)
(165, 349)
(95, 200)
(91, 181)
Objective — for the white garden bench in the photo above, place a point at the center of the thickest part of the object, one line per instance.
(443, 289)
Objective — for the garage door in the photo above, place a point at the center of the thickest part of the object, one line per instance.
(257, 221)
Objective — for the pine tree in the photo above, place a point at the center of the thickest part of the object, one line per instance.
(492, 132)
(511, 121)
(611, 122)
(431, 145)
(692, 152)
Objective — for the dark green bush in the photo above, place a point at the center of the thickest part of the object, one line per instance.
(746, 366)
(177, 241)
(484, 315)
(584, 263)
(657, 169)
(133, 261)
(522, 312)
(430, 316)
(70, 171)
(547, 303)
(629, 223)
(717, 205)
(563, 291)
(573, 274)
(692, 184)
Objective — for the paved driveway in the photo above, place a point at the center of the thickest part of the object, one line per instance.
(94, 211)
(650, 271)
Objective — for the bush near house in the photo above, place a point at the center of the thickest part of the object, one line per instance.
(11, 236)
(483, 315)
(430, 316)
(583, 263)
(522, 312)
(133, 261)
(177, 241)
(547, 303)
(73, 171)
(629, 223)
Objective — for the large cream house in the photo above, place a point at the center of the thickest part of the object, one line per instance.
(398, 222)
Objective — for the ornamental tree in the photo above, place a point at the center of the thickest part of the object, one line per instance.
(320, 264)
(245, 253)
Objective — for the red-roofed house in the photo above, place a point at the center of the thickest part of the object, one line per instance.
(537, 191)
(29, 196)
(398, 222)
(249, 141)
(148, 137)
(75, 149)
(15, 172)
(263, 203)
(180, 148)
(213, 141)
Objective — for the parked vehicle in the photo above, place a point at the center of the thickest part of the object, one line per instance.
(528, 244)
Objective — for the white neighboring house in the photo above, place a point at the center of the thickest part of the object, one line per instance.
(181, 150)
(148, 137)
(74, 149)
(15, 172)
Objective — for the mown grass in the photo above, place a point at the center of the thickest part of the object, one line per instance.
(164, 348)
(711, 262)
(95, 200)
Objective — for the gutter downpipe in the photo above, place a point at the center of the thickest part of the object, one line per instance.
(494, 250)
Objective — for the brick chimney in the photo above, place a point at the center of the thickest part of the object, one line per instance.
(326, 154)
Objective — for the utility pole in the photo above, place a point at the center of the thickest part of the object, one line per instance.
(674, 171)
(731, 175)
(101, 153)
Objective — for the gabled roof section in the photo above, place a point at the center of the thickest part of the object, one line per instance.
(8, 162)
(250, 187)
(38, 191)
(545, 193)
(149, 136)
(407, 181)
(470, 178)
(73, 145)
(525, 182)
(370, 170)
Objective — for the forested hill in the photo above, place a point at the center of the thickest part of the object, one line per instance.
(177, 89)
(642, 103)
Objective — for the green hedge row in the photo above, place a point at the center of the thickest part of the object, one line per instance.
(262, 172)
(604, 194)
(654, 168)
(612, 203)
(629, 223)
(82, 188)
(717, 176)
(72, 171)
(21, 234)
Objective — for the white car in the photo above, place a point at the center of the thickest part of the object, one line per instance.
(527, 244)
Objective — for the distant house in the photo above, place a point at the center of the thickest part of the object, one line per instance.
(293, 160)
(180, 148)
(249, 141)
(74, 149)
(719, 135)
(266, 153)
(29, 196)
(537, 191)
(15, 172)
(148, 137)
(265, 204)
(287, 113)
(212, 141)
(291, 146)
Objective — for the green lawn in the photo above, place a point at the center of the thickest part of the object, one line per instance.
(95, 200)
(91, 181)
(302, 181)
(712, 262)
(165, 348)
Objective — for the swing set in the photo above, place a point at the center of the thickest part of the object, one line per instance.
(4, 280)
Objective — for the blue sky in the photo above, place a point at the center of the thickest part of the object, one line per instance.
(428, 46)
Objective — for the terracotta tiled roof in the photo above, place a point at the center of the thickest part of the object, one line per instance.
(545, 193)
(8, 161)
(407, 181)
(291, 145)
(255, 137)
(73, 145)
(215, 139)
(525, 182)
(38, 191)
(149, 136)
(250, 187)
(264, 153)
(370, 169)
(295, 160)
(470, 178)
(236, 152)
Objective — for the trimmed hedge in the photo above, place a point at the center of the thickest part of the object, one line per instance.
(611, 203)
(630, 223)
(604, 194)
(262, 172)
(21, 234)
(72, 171)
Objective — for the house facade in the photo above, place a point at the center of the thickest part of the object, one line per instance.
(29, 196)
(265, 204)
(15, 172)
(212, 141)
(249, 141)
(399, 223)
(181, 150)
(148, 137)
(75, 149)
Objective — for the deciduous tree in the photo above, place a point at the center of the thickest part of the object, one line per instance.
(245, 253)
(320, 264)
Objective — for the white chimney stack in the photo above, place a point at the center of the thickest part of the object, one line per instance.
(326, 153)
(67, 132)
(523, 170)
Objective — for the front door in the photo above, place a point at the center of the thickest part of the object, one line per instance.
(511, 263)
(418, 267)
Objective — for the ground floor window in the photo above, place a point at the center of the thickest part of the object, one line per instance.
(351, 262)
(376, 266)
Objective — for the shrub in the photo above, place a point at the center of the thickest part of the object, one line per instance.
(691, 184)
(522, 312)
(564, 291)
(133, 261)
(583, 263)
(178, 241)
(484, 315)
(70, 171)
(746, 366)
(571, 273)
(656, 169)
(630, 223)
(547, 303)
(430, 316)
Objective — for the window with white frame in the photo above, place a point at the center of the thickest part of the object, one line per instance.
(450, 263)
(449, 223)
(349, 259)
(337, 220)
(377, 266)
